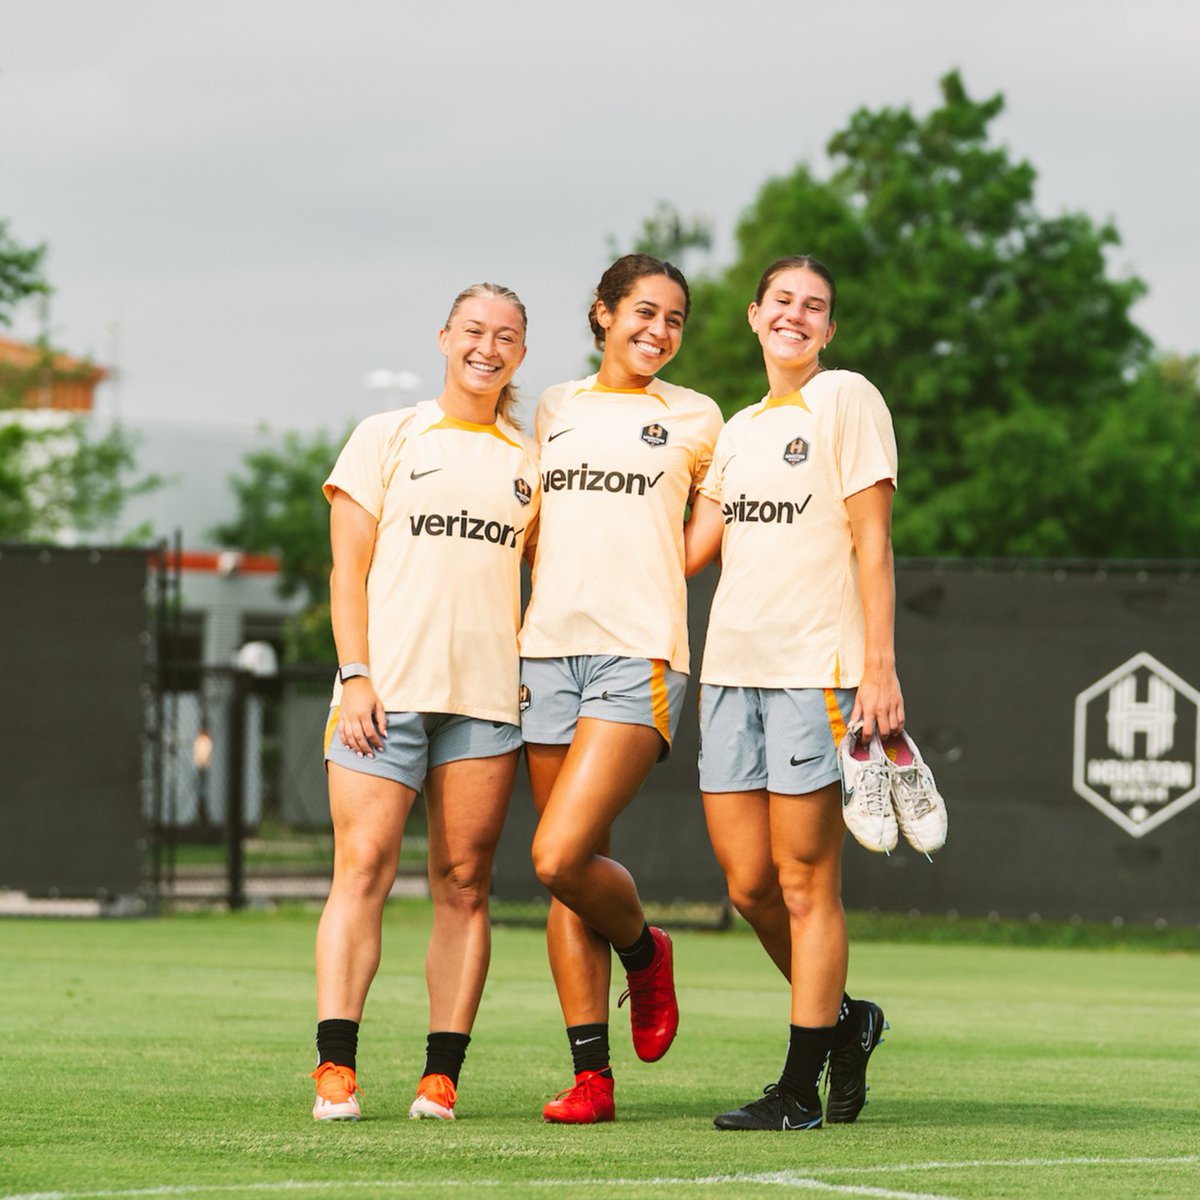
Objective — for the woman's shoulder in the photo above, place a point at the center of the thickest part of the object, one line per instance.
(384, 425)
(556, 393)
(678, 396)
(515, 434)
(845, 383)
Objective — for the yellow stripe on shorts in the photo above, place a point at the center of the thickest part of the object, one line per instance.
(331, 726)
(659, 704)
(837, 724)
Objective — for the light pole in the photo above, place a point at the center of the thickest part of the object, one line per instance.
(383, 379)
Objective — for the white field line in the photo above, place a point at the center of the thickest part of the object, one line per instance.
(808, 1180)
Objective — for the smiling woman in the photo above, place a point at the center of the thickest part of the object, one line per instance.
(605, 655)
(429, 511)
(799, 650)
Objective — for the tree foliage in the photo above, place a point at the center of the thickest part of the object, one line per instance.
(20, 273)
(282, 511)
(1000, 337)
(57, 482)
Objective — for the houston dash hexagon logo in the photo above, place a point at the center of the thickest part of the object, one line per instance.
(1137, 744)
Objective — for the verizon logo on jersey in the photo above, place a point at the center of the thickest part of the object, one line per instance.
(463, 525)
(773, 512)
(595, 479)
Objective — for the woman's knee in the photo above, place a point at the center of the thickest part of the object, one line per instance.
(364, 864)
(807, 886)
(556, 864)
(463, 883)
(755, 896)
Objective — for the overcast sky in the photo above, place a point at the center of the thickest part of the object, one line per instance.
(250, 205)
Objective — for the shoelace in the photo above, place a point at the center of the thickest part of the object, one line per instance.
(874, 788)
(649, 989)
(583, 1085)
(913, 790)
(343, 1075)
(439, 1090)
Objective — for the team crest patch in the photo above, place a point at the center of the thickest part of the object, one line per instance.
(795, 452)
(654, 435)
(524, 699)
(522, 490)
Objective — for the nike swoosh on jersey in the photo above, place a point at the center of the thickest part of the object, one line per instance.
(422, 474)
(559, 434)
(799, 762)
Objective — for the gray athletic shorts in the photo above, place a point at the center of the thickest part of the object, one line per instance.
(782, 739)
(417, 742)
(556, 692)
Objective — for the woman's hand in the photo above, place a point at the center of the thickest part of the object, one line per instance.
(879, 704)
(362, 721)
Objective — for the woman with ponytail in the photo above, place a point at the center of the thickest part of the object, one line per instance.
(430, 508)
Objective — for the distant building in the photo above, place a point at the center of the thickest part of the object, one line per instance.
(228, 598)
(50, 379)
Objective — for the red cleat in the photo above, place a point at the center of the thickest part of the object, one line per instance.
(653, 1010)
(589, 1102)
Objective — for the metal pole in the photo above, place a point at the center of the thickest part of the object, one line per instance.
(235, 790)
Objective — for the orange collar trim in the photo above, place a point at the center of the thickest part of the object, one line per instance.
(791, 400)
(448, 422)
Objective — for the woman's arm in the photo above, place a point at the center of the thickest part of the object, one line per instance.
(702, 534)
(879, 704)
(362, 721)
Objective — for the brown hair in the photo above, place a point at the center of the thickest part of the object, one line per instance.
(617, 282)
(795, 262)
(494, 291)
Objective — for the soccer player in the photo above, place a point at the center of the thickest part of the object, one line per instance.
(800, 644)
(430, 508)
(604, 655)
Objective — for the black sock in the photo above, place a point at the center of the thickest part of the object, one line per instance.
(589, 1047)
(444, 1054)
(807, 1051)
(845, 1030)
(337, 1042)
(640, 955)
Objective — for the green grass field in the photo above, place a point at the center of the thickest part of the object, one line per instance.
(169, 1058)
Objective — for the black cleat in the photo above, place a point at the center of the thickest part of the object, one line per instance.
(773, 1111)
(848, 1066)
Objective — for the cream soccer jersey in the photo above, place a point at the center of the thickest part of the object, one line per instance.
(788, 611)
(455, 502)
(618, 469)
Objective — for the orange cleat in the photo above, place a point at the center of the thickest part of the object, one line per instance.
(336, 1086)
(435, 1098)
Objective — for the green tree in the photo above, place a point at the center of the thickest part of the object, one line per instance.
(282, 511)
(20, 273)
(56, 479)
(999, 336)
(1141, 471)
(668, 234)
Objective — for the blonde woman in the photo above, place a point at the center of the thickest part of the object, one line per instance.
(430, 508)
